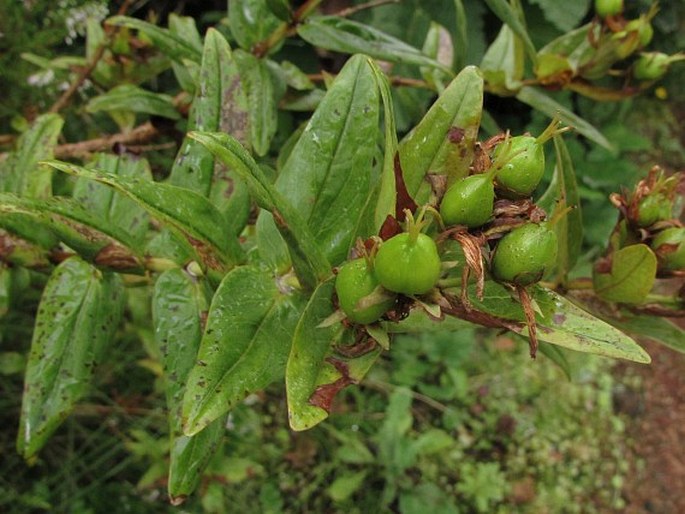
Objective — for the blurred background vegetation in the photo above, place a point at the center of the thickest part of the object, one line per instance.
(447, 423)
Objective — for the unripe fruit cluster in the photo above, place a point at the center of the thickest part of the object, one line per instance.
(409, 262)
(524, 255)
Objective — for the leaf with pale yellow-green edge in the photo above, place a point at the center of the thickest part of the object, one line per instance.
(443, 141)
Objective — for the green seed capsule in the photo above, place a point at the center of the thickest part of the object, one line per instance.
(353, 282)
(644, 30)
(651, 66)
(519, 177)
(653, 208)
(406, 266)
(469, 202)
(673, 260)
(525, 254)
(605, 8)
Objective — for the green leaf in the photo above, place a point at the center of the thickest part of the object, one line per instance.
(418, 322)
(251, 22)
(111, 207)
(219, 105)
(513, 19)
(184, 27)
(547, 105)
(443, 141)
(461, 41)
(20, 252)
(262, 100)
(22, 173)
(556, 355)
(562, 193)
(128, 98)
(310, 345)
(654, 328)
(563, 15)
(78, 314)
(503, 63)
(567, 325)
(175, 46)
(95, 239)
(329, 175)
(387, 195)
(346, 485)
(178, 305)
(347, 36)
(310, 263)
(185, 211)
(438, 46)
(560, 322)
(630, 275)
(244, 347)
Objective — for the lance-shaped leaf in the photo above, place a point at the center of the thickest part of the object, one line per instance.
(22, 173)
(565, 324)
(387, 196)
(220, 104)
(185, 28)
(179, 303)
(314, 375)
(185, 211)
(262, 99)
(626, 275)
(540, 101)
(438, 46)
(110, 206)
(347, 36)
(251, 22)
(443, 141)
(329, 174)
(308, 259)
(461, 41)
(172, 45)
(245, 344)
(78, 314)
(311, 343)
(503, 63)
(128, 98)
(654, 328)
(95, 239)
(510, 16)
(562, 193)
(20, 252)
(559, 322)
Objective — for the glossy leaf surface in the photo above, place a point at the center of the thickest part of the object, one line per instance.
(172, 45)
(329, 174)
(179, 303)
(220, 104)
(347, 36)
(189, 213)
(128, 98)
(79, 311)
(114, 208)
(539, 100)
(244, 347)
(308, 258)
(443, 141)
(21, 173)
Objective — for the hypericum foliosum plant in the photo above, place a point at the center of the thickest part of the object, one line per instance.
(278, 225)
